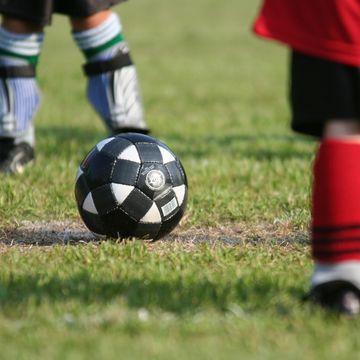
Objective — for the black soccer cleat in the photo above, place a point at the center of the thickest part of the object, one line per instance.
(340, 297)
(15, 157)
(123, 130)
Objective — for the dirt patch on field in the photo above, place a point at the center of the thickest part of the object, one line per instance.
(28, 233)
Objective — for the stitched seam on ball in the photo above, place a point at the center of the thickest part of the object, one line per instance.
(112, 168)
(178, 164)
(119, 207)
(171, 178)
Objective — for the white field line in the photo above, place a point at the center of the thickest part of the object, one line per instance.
(48, 233)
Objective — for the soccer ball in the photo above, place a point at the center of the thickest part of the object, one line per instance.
(131, 185)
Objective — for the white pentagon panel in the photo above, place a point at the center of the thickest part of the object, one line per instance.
(102, 143)
(131, 154)
(166, 155)
(121, 192)
(89, 205)
(78, 174)
(180, 192)
(153, 216)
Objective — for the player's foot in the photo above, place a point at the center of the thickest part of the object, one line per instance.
(337, 296)
(130, 129)
(15, 157)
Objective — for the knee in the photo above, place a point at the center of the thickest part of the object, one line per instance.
(20, 26)
(82, 24)
(342, 128)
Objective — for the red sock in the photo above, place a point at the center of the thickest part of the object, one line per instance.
(336, 202)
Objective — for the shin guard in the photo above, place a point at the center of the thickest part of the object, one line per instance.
(19, 93)
(19, 100)
(113, 91)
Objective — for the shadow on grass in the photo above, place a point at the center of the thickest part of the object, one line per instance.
(257, 147)
(177, 296)
(69, 133)
(57, 140)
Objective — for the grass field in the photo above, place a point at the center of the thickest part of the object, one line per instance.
(229, 282)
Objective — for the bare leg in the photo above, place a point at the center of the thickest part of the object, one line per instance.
(20, 26)
(81, 24)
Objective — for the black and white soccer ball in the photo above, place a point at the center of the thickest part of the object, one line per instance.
(131, 185)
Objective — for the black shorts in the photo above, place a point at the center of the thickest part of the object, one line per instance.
(322, 90)
(40, 11)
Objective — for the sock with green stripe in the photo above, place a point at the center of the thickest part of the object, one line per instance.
(19, 95)
(114, 93)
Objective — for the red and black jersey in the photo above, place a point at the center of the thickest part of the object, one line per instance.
(324, 28)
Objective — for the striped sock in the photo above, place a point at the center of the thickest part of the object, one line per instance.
(115, 95)
(19, 97)
(336, 213)
(103, 41)
(24, 47)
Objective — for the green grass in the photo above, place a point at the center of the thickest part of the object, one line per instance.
(165, 301)
(213, 92)
(216, 95)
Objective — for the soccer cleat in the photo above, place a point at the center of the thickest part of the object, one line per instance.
(123, 130)
(14, 157)
(338, 296)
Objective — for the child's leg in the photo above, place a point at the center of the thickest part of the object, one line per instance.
(20, 45)
(325, 103)
(336, 218)
(113, 88)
